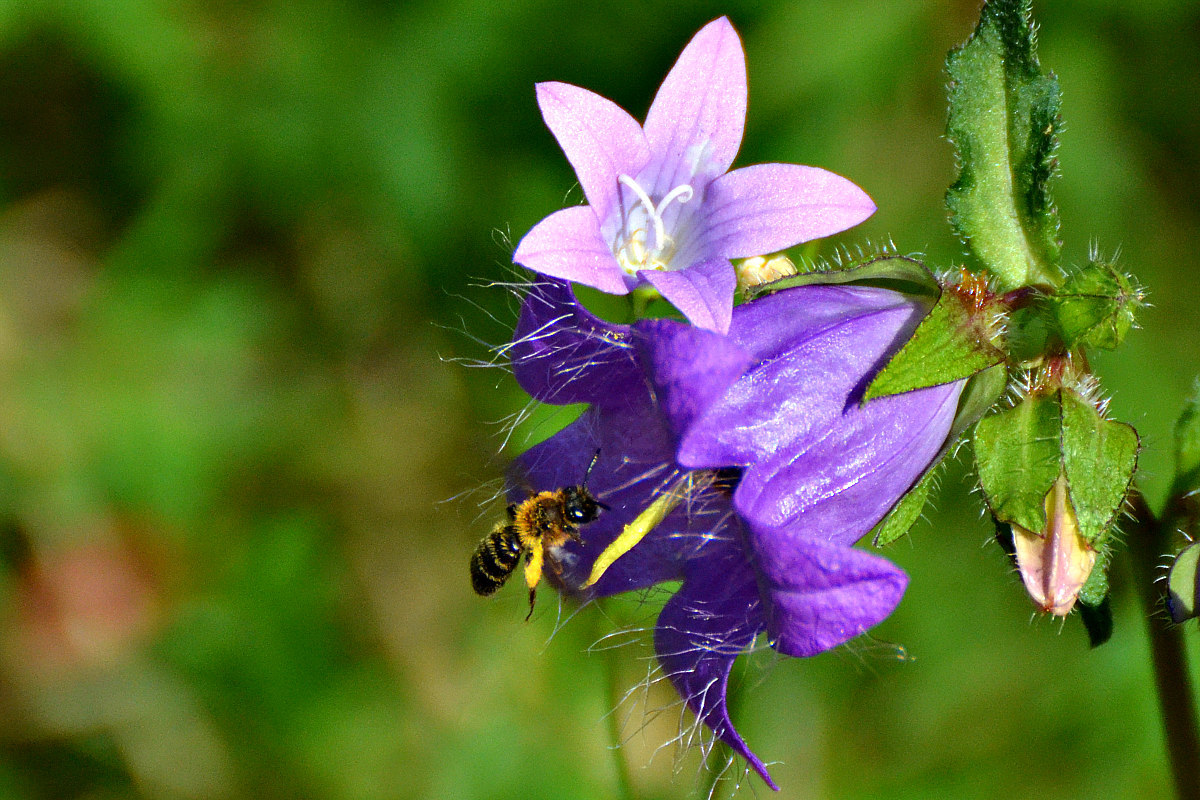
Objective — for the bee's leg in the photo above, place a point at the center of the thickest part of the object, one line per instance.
(533, 574)
(512, 511)
(532, 595)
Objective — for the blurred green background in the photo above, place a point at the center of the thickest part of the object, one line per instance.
(244, 249)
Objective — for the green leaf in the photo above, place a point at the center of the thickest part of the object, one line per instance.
(1095, 591)
(1021, 452)
(1018, 456)
(1187, 449)
(1096, 305)
(904, 514)
(900, 273)
(950, 344)
(1099, 458)
(1183, 584)
(1004, 112)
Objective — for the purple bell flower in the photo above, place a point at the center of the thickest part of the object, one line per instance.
(663, 207)
(788, 467)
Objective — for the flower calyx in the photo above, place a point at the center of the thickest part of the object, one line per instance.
(962, 336)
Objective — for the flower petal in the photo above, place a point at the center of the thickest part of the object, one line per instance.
(817, 460)
(597, 136)
(567, 244)
(562, 353)
(688, 367)
(772, 326)
(815, 346)
(837, 487)
(768, 207)
(713, 617)
(819, 596)
(703, 292)
(696, 121)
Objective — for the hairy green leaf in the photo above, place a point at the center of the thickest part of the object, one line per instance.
(1096, 305)
(982, 391)
(1004, 114)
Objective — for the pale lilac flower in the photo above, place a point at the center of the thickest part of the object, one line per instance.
(793, 468)
(663, 207)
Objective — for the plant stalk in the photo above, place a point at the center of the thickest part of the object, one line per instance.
(1149, 539)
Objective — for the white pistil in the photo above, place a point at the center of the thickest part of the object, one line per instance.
(655, 217)
(683, 193)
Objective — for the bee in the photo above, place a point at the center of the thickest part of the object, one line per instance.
(542, 521)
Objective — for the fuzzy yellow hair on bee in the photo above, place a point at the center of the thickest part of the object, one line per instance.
(535, 527)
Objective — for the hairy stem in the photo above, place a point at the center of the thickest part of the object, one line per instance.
(640, 299)
(1148, 540)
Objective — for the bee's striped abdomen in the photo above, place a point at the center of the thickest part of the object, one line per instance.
(495, 559)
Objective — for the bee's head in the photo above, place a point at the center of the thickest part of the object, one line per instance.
(579, 506)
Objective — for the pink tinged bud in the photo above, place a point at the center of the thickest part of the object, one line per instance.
(1056, 563)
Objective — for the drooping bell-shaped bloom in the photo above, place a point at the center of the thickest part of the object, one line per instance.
(780, 466)
(663, 207)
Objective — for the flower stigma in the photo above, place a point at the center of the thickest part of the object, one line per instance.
(633, 251)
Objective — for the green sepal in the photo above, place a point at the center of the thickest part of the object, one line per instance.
(1097, 617)
(1031, 329)
(1095, 306)
(1095, 589)
(950, 344)
(1004, 112)
(901, 273)
(1183, 584)
(1022, 451)
(904, 514)
(1099, 459)
(978, 396)
(1019, 458)
(981, 392)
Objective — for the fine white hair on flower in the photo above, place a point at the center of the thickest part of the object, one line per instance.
(560, 355)
(650, 715)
